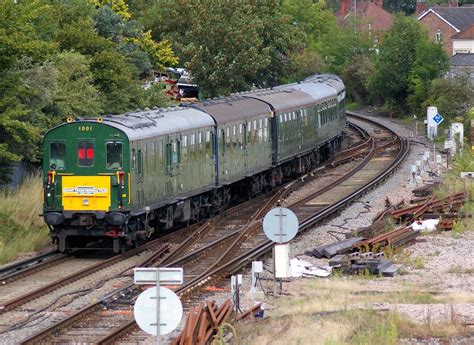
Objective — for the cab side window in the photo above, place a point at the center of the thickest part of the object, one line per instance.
(114, 155)
(57, 156)
(85, 153)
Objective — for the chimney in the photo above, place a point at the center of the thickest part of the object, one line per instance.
(420, 6)
(345, 7)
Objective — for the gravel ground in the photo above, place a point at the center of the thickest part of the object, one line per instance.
(440, 273)
(444, 271)
(45, 311)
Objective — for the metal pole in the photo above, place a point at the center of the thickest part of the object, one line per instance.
(448, 151)
(158, 306)
(280, 222)
(274, 274)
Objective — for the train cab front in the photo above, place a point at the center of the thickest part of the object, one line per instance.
(86, 185)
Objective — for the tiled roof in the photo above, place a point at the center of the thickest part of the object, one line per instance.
(467, 34)
(462, 59)
(459, 17)
(370, 13)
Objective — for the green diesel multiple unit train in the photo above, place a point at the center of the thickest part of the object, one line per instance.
(121, 178)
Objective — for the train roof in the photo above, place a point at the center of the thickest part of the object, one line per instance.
(144, 124)
(328, 79)
(282, 100)
(233, 108)
(319, 86)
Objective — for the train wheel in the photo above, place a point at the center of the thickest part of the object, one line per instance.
(119, 246)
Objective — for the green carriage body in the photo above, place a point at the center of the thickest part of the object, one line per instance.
(243, 135)
(122, 177)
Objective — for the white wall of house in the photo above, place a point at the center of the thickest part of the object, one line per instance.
(463, 46)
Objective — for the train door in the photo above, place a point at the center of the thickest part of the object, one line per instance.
(137, 164)
(244, 141)
(299, 128)
(222, 156)
(173, 162)
(243, 145)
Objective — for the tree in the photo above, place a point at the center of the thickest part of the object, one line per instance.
(396, 59)
(431, 62)
(406, 6)
(452, 96)
(78, 95)
(228, 46)
(26, 31)
(356, 74)
(160, 53)
(118, 6)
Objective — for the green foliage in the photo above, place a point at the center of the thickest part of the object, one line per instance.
(60, 58)
(228, 46)
(356, 74)
(160, 53)
(452, 97)
(418, 262)
(397, 56)
(118, 6)
(430, 62)
(341, 47)
(78, 95)
(406, 6)
(407, 64)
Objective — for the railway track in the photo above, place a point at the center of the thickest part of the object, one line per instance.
(32, 292)
(235, 243)
(225, 244)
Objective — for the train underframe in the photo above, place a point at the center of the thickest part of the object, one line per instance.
(94, 230)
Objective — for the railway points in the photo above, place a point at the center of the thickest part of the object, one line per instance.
(213, 251)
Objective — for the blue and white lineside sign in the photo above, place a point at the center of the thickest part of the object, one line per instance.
(438, 119)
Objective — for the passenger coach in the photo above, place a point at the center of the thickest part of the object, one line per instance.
(113, 181)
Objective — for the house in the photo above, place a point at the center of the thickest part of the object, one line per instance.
(463, 41)
(462, 63)
(445, 22)
(369, 16)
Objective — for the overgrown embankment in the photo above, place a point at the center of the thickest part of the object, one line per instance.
(21, 228)
(453, 183)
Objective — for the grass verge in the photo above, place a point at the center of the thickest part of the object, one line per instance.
(342, 311)
(21, 228)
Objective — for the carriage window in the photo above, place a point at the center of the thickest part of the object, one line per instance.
(85, 153)
(114, 155)
(57, 156)
(227, 135)
(174, 152)
(184, 146)
(140, 163)
(208, 136)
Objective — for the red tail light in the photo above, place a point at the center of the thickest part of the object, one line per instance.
(90, 153)
(81, 153)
